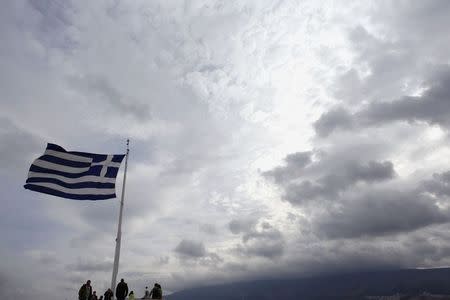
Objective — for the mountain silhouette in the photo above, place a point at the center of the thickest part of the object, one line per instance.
(350, 286)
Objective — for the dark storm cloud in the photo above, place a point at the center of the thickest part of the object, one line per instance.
(99, 86)
(380, 212)
(439, 185)
(190, 249)
(193, 253)
(433, 108)
(334, 177)
(267, 242)
(350, 174)
(260, 248)
(345, 209)
(332, 120)
(295, 163)
(432, 244)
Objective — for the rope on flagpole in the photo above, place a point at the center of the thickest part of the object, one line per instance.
(119, 227)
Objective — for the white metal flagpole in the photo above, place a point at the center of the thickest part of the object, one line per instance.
(119, 227)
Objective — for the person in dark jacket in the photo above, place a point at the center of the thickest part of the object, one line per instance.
(121, 290)
(156, 291)
(85, 292)
(109, 295)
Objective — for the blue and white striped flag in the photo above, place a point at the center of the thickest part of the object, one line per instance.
(74, 175)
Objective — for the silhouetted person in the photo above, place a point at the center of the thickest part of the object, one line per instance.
(94, 296)
(121, 290)
(101, 298)
(147, 293)
(109, 295)
(156, 291)
(85, 292)
(131, 296)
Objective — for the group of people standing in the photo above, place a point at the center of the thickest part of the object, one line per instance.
(86, 293)
(155, 293)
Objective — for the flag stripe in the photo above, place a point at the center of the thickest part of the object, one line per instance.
(68, 156)
(46, 190)
(76, 153)
(77, 185)
(65, 162)
(35, 168)
(90, 178)
(94, 171)
(80, 191)
(61, 168)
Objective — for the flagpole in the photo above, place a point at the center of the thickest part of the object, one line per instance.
(119, 227)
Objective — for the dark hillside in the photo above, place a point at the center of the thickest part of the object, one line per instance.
(343, 286)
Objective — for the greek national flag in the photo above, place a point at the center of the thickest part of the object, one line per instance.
(74, 175)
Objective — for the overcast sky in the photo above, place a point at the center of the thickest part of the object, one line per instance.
(268, 139)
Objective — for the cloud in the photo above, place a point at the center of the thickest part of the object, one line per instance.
(237, 226)
(325, 178)
(209, 94)
(340, 207)
(163, 260)
(46, 258)
(338, 118)
(262, 241)
(439, 185)
(90, 266)
(260, 248)
(346, 210)
(17, 148)
(208, 228)
(235, 267)
(52, 17)
(95, 86)
(190, 249)
(295, 163)
(431, 108)
(380, 212)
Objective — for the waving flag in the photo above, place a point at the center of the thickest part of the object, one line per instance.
(74, 175)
